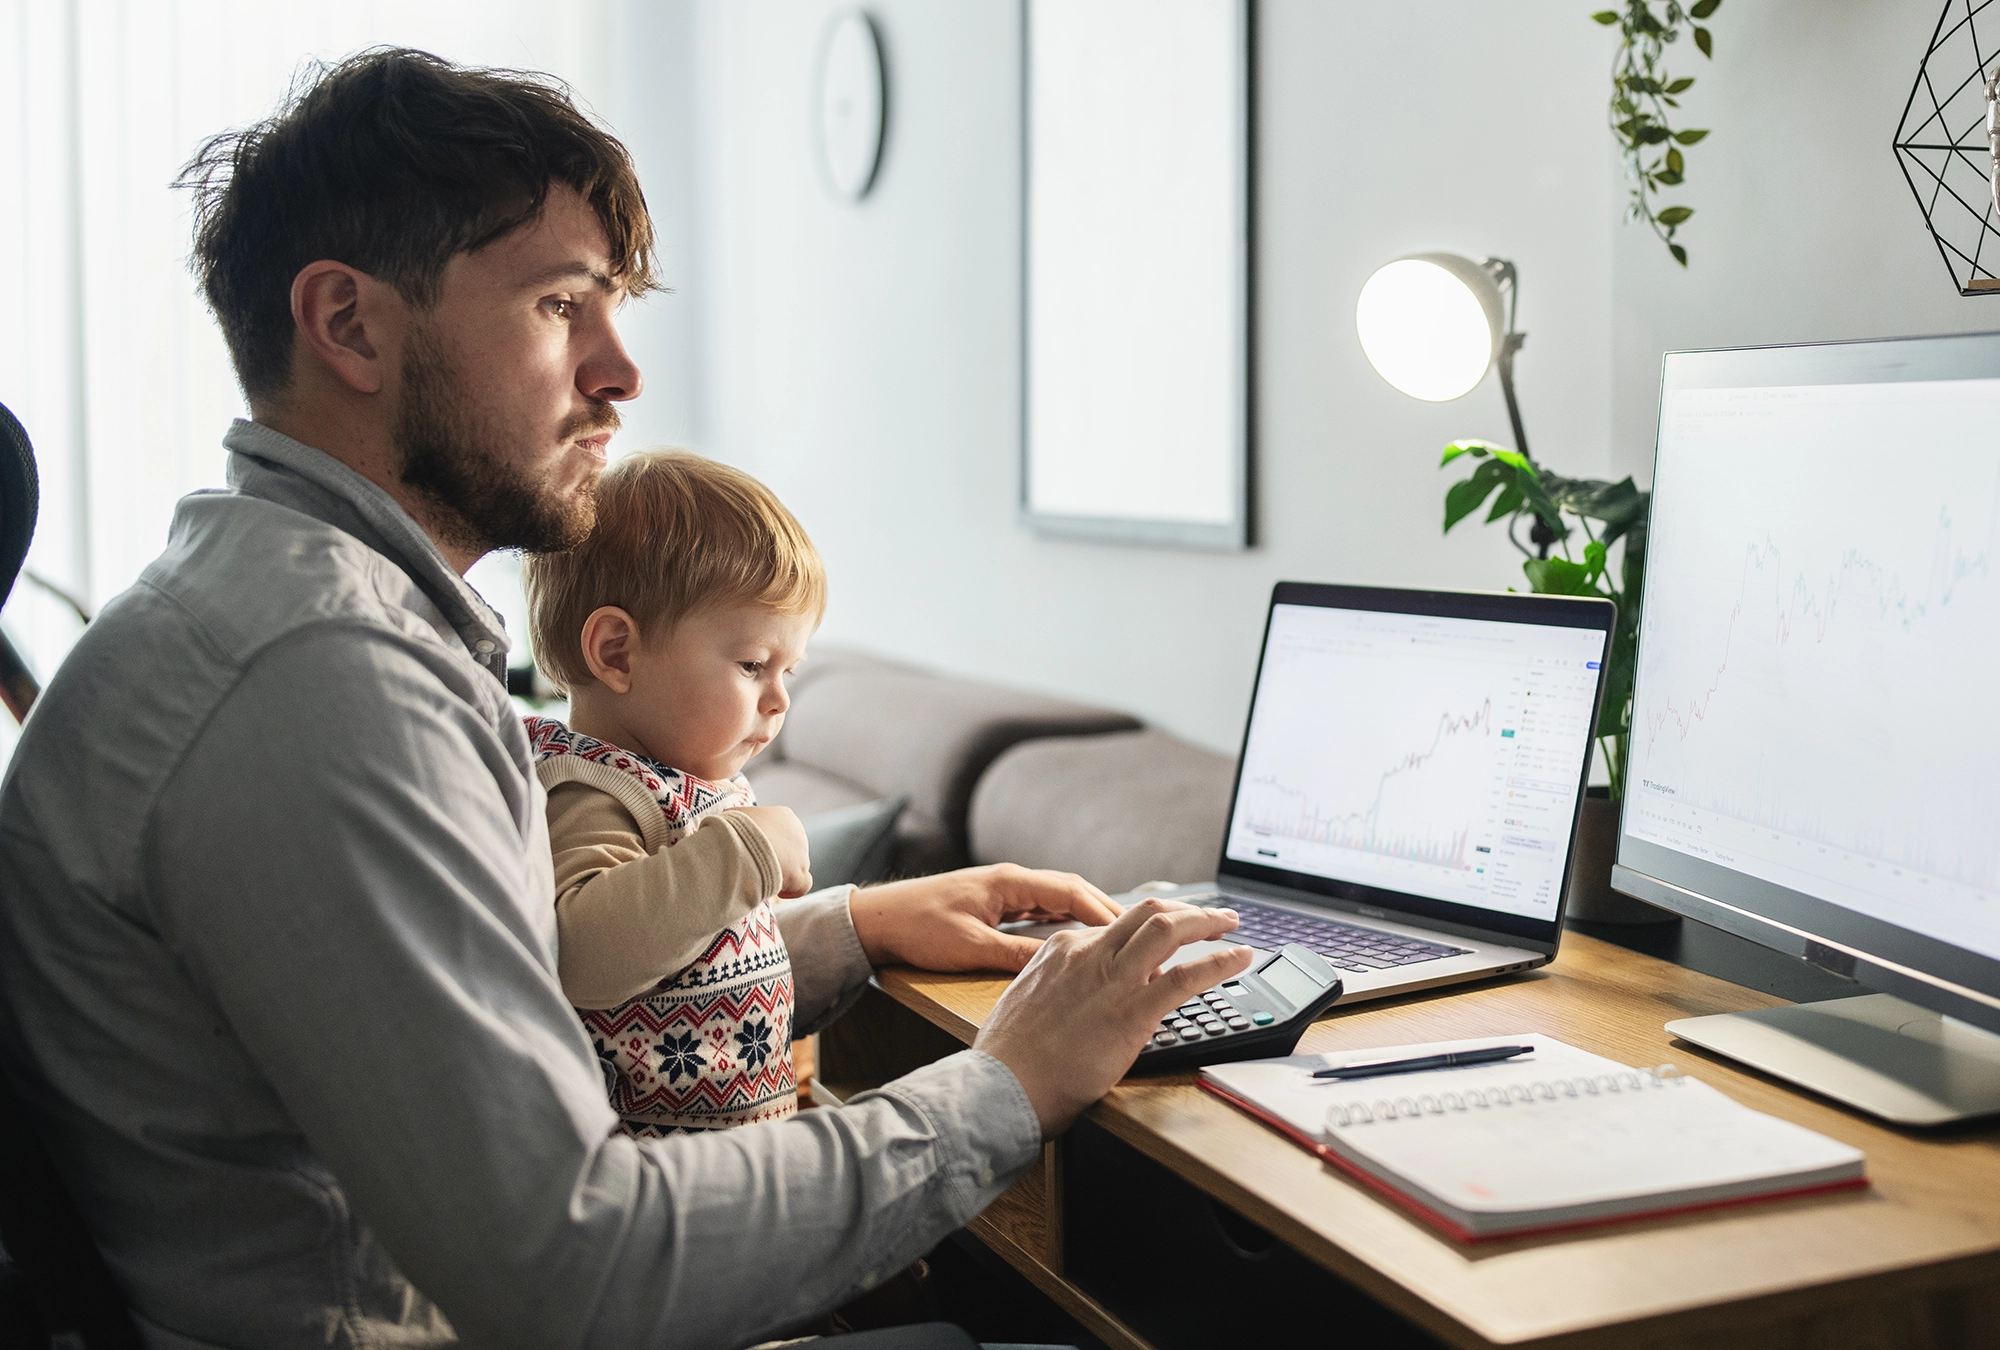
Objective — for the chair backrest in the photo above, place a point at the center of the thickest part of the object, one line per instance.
(69, 1292)
(20, 499)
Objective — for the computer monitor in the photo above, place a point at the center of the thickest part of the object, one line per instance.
(1815, 754)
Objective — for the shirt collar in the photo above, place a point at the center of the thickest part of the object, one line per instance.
(271, 465)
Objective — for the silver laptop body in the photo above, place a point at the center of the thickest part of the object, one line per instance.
(1413, 766)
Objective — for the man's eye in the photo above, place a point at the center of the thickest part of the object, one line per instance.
(564, 309)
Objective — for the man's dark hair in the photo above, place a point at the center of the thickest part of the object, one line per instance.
(393, 162)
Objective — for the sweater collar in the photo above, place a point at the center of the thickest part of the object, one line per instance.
(271, 465)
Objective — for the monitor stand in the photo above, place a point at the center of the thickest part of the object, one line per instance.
(1876, 1053)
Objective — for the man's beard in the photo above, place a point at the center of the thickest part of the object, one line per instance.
(480, 497)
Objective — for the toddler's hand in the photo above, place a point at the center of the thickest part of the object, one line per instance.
(787, 838)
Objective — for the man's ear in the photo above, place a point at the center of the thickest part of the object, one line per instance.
(609, 639)
(340, 312)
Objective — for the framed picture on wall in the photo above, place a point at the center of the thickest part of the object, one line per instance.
(1136, 276)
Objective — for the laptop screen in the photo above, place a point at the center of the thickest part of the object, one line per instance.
(1411, 753)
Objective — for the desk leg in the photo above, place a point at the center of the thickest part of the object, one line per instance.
(879, 1040)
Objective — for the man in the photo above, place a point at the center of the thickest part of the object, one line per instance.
(277, 967)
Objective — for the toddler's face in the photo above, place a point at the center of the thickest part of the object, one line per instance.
(712, 693)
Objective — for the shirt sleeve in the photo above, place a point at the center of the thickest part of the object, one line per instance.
(351, 861)
(829, 966)
(627, 919)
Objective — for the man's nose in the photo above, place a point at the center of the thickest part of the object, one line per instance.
(610, 375)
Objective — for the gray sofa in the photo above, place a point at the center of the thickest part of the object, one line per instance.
(997, 775)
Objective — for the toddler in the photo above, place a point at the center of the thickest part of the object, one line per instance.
(673, 629)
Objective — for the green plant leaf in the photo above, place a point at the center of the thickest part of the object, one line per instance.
(1675, 215)
(1705, 42)
(1558, 576)
(1476, 448)
(1506, 504)
(1464, 497)
(1513, 457)
(1606, 16)
(1703, 8)
(1675, 163)
(1682, 85)
(1653, 135)
(1594, 556)
(1680, 254)
(1690, 136)
(1668, 178)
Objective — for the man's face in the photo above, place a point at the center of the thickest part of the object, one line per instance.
(508, 386)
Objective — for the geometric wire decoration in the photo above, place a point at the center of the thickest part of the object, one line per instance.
(1944, 144)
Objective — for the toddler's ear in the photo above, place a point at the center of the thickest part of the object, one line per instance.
(609, 638)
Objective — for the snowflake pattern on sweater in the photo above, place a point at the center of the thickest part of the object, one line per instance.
(710, 1046)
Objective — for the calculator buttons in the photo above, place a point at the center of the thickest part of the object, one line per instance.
(1238, 1023)
(1190, 1034)
(1262, 1019)
(1166, 1038)
(1216, 1029)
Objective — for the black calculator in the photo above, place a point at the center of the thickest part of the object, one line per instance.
(1260, 1013)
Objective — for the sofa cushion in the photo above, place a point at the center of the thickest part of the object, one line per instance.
(822, 661)
(895, 731)
(807, 790)
(854, 844)
(1119, 810)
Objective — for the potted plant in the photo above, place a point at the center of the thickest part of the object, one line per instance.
(1583, 520)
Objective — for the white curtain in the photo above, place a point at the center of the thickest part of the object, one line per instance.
(108, 356)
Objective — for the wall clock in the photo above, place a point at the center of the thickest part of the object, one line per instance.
(851, 104)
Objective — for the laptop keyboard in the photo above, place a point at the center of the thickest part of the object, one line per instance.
(1345, 946)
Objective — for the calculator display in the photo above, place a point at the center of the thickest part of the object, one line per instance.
(1297, 987)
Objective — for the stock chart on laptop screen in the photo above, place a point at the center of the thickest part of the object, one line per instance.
(1439, 757)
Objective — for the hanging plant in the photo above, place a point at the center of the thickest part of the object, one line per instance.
(1642, 97)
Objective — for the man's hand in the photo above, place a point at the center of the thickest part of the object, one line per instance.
(949, 922)
(1085, 1007)
(787, 838)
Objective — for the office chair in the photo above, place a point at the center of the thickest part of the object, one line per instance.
(54, 1288)
(20, 499)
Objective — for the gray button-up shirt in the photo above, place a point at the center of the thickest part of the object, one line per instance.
(277, 979)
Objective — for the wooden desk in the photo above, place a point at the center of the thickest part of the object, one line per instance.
(1912, 1262)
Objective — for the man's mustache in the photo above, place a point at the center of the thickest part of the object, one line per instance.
(601, 417)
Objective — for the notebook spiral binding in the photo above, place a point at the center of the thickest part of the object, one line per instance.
(1485, 1099)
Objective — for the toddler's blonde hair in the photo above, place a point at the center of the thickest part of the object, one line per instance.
(675, 533)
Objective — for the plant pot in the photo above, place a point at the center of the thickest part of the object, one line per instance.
(1591, 899)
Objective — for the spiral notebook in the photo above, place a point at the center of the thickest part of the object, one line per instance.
(1552, 1140)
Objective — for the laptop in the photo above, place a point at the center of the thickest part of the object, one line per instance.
(1413, 769)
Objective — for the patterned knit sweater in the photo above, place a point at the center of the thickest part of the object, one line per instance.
(709, 1046)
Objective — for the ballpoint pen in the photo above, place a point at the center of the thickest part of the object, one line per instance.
(1446, 1061)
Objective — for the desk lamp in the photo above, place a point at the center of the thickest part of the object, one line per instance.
(1432, 324)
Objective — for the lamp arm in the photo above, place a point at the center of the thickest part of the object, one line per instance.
(1508, 346)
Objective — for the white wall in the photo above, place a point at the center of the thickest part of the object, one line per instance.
(1805, 230)
(863, 359)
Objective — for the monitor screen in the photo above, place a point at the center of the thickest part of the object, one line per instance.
(1810, 740)
(1419, 754)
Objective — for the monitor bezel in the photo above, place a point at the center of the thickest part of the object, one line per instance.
(1553, 611)
(1882, 955)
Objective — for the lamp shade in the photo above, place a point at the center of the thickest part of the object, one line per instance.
(1431, 324)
